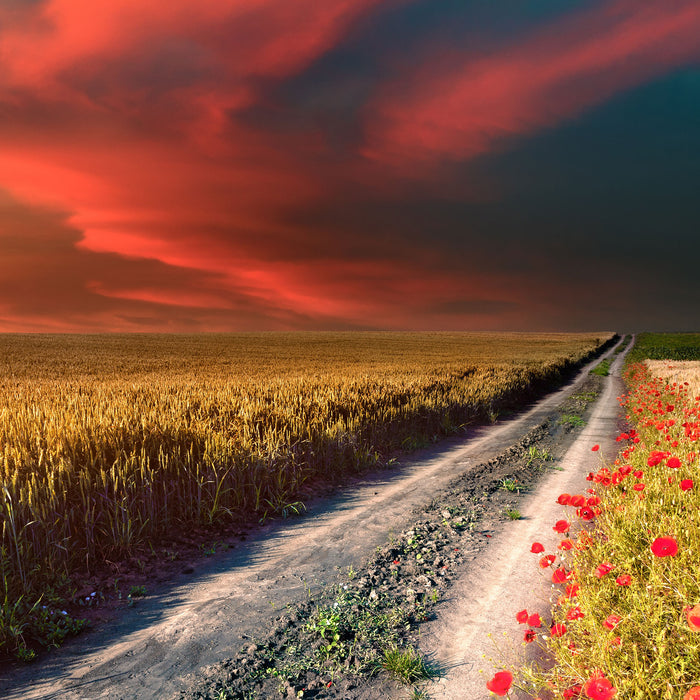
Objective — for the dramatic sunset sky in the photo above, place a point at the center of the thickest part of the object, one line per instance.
(233, 165)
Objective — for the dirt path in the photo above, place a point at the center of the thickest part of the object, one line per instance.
(203, 618)
(484, 599)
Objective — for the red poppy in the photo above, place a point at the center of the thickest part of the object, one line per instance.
(565, 545)
(573, 692)
(560, 575)
(693, 617)
(686, 484)
(603, 569)
(639, 487)
(500, 683)
(537, 548)
(623, 580)
(673, 462)
(664, 547)
(521, 617)
(578, 500)
(693, 693)
(593, 501)
(534, 620)
(639, 473)
(572, 590)
(558, 630)
(598, 687)
(564, 499)
(547, 560)
(575, 614)
(529, 636)
(655, 458)
(615, 642)
(595, 448)
(586, 513)
(561, 526)
(612, 621)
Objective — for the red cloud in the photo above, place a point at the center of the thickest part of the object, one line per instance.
(457, 106)
(248, 37)
(124, 138)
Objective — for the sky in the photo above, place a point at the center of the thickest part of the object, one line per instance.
(245, 165)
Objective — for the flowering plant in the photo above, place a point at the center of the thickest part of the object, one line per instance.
(627, 615)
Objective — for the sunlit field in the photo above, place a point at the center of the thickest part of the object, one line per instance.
(110, 442)
(678, 372)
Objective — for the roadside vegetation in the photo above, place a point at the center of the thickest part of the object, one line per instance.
(626, 619)
(602, 368)
(109, 444)
(665, 346)
(359, 636)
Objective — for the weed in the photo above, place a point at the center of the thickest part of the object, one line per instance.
(512, 513)
(295, 508)
(602, 369)
(572, 420)
(509, 484)
(137, 591)
(406, 664)
(25, 627)
(534, 454)
(585, 396)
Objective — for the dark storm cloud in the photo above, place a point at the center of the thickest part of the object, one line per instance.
(473, 306)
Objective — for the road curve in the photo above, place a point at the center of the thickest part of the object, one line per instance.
(155, 648)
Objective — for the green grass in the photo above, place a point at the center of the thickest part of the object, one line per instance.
(602, 369)
(665, 346)
(406, 664)
(572, 419)
(534, 454)
(509, 484)
(585, 396)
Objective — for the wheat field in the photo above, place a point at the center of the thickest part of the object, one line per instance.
(107, 442)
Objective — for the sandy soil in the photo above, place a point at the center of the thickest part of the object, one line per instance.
(158, 647)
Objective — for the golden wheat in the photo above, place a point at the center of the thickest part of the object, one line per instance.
(678, 371)
(107, 441)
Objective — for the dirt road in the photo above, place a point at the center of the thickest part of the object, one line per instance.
(155, 648)
(475, 631)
